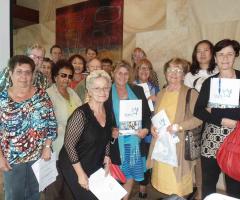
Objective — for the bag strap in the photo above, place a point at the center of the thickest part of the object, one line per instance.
(187, 105)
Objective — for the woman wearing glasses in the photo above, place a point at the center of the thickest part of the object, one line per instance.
(166, 178)
(220, 119)
(27, 128)
(87, 137)
(65, 101)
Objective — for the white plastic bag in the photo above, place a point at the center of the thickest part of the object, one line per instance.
(165, 148)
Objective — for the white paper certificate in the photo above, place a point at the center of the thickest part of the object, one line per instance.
(130, 116)
(224, 92)
(147, 94)
(45, 171)
(160, 120)
(105, 188)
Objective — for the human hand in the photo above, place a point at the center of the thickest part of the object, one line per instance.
(46, 153)
(153, 98)
(229, 123)
(173, 128)
(142, 132)
(115, 133)
(154, 131)
(83, 180)
(209, 109)
(4, 165)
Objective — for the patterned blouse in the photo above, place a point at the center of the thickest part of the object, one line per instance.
(24, 126)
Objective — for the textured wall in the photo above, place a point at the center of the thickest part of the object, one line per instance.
(163, 28)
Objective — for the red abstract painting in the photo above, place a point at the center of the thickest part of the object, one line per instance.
(94, 23)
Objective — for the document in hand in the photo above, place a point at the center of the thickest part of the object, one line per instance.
(160, 120)
(225, 92)
(45, 171)
(105, 188)
(147, 94)
(130, 116)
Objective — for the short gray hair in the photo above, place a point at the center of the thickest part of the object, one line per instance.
(35, 46)
(97, 74)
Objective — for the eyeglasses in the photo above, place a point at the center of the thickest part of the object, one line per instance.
(98, 89)
(63, 75)
(222, 56)
(174, 70)
(36, 57)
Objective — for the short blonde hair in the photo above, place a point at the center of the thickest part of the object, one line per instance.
(95, 75)
(35, 46)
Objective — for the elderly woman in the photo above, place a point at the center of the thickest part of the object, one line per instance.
(79, 64)
(130, 148)
(220, 119)
(203, 65)
(65, 101)
(27, 128)
(36, 52)
(166, 178)
(87, 137)
(144, 73)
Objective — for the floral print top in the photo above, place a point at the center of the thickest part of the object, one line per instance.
(24, 126)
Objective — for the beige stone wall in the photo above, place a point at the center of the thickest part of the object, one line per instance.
(163, 28)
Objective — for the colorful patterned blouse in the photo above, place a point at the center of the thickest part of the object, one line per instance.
(24, 126)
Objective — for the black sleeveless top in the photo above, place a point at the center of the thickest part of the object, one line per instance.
(86, 141)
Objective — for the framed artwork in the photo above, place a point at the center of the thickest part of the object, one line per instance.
(93, 23)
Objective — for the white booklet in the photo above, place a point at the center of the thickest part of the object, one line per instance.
(160, 120)
(130, 116)
(225, 92)
(105, 188)
(147, 94)
(45, 171)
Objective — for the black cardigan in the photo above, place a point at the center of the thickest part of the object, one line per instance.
(216, 115)
(146, 122)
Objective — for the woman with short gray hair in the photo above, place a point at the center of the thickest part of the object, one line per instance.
(87, 137)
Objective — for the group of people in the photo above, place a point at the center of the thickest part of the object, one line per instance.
(72, 107)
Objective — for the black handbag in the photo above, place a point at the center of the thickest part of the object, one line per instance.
(192, 137)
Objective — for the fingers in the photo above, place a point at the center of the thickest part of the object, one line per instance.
(85, 186)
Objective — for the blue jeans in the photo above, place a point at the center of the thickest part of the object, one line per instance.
(20, 183)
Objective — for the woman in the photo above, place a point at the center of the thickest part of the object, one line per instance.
(65, 101)
(46, 69)
(36, 52)
(137, 55)
(131, 148)
(166, 178)
(79, 65)
(220, 119)
(91, 53)
(87, 137)
(27, 126)
(144, 75)
(203, 65)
